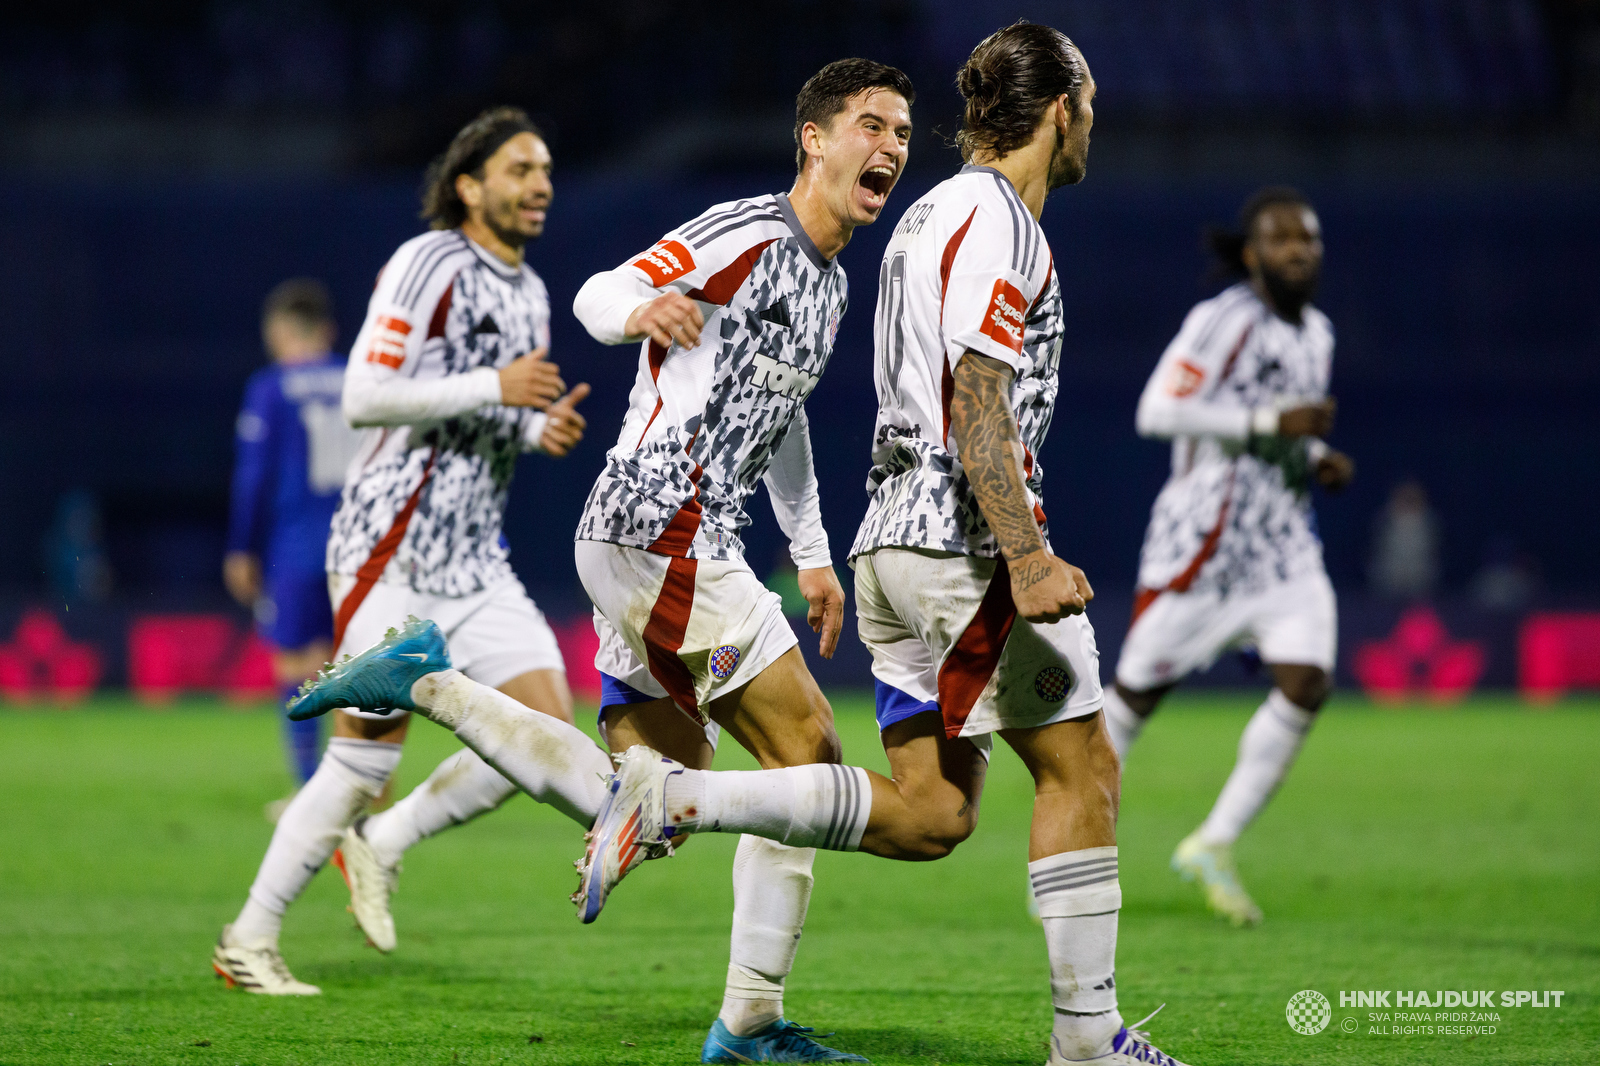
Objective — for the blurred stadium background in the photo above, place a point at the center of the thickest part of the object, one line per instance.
(162, 165)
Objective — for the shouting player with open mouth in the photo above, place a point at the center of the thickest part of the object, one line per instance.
(735, 313)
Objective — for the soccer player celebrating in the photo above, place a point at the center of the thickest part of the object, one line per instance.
(450, 379)
(975, 625)
(1232, 555)
(735, 313)
(293, 448)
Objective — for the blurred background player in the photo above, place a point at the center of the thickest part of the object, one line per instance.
(451, 384)
(1232, 556)
(293, 446)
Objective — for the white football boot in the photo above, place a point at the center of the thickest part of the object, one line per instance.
(629, 829)
(257, 968)
(1212, 865)
(371, 883)
(1130, 1047)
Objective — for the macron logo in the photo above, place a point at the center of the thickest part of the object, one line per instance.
(665, 262)
(1004, 319)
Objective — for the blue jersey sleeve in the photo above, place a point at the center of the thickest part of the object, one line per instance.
(255, 457)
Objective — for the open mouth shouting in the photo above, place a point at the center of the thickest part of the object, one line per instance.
(874, 184)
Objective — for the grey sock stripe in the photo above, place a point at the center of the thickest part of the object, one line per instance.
(839, 833)
(847, 830)
(1064, 885)
(1062, 867)
(838, 804)
(1075, 870)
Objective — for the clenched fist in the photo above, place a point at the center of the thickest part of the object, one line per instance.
(565, 427)
(530, 381)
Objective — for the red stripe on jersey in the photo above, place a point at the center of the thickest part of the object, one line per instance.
(678, 537)
(1227, 367)
(442, 312)
(1143, 598)
(663, 635)
(382, 552)
(720, 287)
(947, 382)
(976, 654)
(649, 423)
(656, 356)
(1027, 472)
(949, 260)
(1049, 269)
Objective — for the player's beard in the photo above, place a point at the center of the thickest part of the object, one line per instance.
(1068, 163)
(1290, 295)
(502, 222)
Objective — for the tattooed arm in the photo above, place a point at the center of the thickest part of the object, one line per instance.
(1043, 587)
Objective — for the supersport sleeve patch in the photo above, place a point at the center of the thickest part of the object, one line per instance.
(667, 262)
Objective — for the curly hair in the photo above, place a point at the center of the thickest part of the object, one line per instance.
(471, 149)
(1227, 245)
(1009, 80)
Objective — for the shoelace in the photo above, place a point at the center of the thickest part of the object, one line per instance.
(1143, 1050)
(797, 1039)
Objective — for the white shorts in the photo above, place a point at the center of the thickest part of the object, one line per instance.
(945, 636)
(1293, 623)
(692, 629)
(495, 635)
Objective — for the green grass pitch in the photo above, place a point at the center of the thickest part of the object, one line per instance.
(1416, 849)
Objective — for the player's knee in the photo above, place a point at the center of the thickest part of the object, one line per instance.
(1308, 689)
(936, 838)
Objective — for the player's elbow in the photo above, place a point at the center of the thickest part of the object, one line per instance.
(1152, 419)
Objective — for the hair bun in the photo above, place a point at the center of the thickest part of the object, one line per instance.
(979, 86)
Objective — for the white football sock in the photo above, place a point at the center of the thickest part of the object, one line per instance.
(1266, 751)
(771, 890)
(351, 774)
(548, 759)
(459, 789)
(1121, 722)
(821, 805)
(1079, 896)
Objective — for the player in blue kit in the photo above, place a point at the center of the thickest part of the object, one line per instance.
(292, 449)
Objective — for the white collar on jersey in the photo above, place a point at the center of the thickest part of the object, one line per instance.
(786, 209)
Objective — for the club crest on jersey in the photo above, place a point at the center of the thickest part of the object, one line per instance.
(724, 661)
(781, 377)
(1051, 684)
(389, 342)
(1004, 321)
(665, 262)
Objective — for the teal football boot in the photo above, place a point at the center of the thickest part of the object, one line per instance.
(782, 1041)
(378, 679)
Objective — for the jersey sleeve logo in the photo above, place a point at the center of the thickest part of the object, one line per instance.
(389, 341)
(1185, 379)
(1003, 321)
(667, 261)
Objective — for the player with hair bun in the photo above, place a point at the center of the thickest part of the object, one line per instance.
(976, 627)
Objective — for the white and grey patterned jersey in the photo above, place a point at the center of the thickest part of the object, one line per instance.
(424, 501)
(1235, 513)
(967, 269)
(704, 424)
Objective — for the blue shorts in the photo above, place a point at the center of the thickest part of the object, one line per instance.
(615, 692)
(893, 705)
(295, 610)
